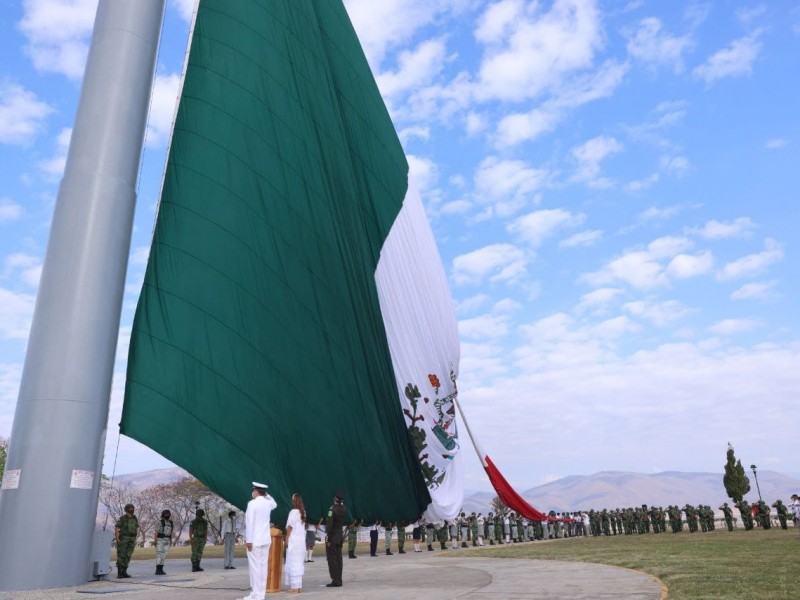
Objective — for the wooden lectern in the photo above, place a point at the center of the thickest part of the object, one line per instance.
(275, 563)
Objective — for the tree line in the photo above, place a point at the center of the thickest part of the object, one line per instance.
(182, 498)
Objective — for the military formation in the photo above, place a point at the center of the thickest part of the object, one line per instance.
(476, 530)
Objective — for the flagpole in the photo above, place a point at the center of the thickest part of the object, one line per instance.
(48, 500)
(475, 444)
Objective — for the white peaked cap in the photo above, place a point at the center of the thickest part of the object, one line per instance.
(260, 485)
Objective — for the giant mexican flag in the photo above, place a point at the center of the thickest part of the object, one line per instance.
(295, 324)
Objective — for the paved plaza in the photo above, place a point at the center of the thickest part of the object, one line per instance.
(422, 575)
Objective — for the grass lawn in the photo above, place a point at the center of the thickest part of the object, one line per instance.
(741, 564)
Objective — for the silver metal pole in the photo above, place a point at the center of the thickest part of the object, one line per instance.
(49, 497)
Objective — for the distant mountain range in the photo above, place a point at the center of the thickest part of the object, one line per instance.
(607, 489)
(613, 489)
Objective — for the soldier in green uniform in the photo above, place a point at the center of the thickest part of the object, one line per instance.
(388, 529)
(763, 515)
(746, 513)
(473, 528)
(728, 514)
(463, 526)
(198, 531)
(514, 530)
(352, 537)
(162, 540)
(441, 535)
(783, 512)
(401, 537)
(430, 533)
(125, 532)
(489, 528)
(498, 528)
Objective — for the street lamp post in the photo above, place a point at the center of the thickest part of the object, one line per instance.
(753, 467)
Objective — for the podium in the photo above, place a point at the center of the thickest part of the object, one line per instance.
(275, 562)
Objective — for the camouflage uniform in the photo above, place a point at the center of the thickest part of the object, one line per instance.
(352, 539)
(401, 537)
(782, 512)
(498, 528)
(198, 530)
(128, 526)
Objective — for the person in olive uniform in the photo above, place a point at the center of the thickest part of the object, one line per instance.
(163, 539)
(727, 511)
(334, 540)
(125, 531)
(198, 531)
(401, 537)
(783, 513)
(352, 537)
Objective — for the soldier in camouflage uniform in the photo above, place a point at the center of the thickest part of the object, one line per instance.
(728, 514)
(430, 532)
(162, 540)
(388, 529)
(352, 537)
(747, 514)
(783, 512)
(463, 525)
(441, 535)
(763, 515)
(125, 532)
(473, 528)
(454, 534)
(498, 528)
(401, 537)
(488, 528)
(198, 531)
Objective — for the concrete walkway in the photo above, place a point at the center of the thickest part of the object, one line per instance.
(411, 576)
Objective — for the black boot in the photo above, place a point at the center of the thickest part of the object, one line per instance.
(430, 548)
(388, 552)
(491, 542)
(401, 551)
(194, 567)
(199, 568)
(120, 573)
(463, 544)
(442, 545)
(160, 570)
(123, 573)
(352, 555)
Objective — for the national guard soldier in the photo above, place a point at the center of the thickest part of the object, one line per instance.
(498, 528)
(463, 525)
(519, 527)
(352, 537)
(763, 515)
(454, 534)
(746, 512)
(783, 512)
(401, 537)
(441, 535)
(489, 528)
(125, 532)
(430, 532)
(728, 514)
(514, 530)
(334, 540)
(162, 540)
(481, 529)
(473, 528)
(198, 532)
(388, 530)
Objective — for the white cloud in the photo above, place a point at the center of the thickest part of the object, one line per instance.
(643, 184)
(23, 267)
(415, 68)
(741, 227)
(415, 132)
(536, 226)
(22, 114)
(752, 264)
(496, 262)
(598, 298)
(675, 165)
(484, 327)
(9, 211)
(185, 8)
(506, 305)
(162, 108)
(424, 173)
(456, 207)
(758, 290)
(684, 266)
(735, 60)
(390, 23)
(529, 52)
(58, 34)
(16, 312)
(591, 153)
(520, 127)
(472, 303)
(582, 238)
(507, 184)
(657, 48)
(475, 123)
(640, 269)
(733, 326)
(654, 213)
(658, 313)
(55, 166)
(776, 143)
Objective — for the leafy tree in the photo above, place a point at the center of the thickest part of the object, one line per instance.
(737, 484)
(3, 455)
(498, 508)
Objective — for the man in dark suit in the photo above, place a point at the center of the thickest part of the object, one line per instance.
(333, 545)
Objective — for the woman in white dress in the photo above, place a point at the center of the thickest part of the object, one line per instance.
(295, 545)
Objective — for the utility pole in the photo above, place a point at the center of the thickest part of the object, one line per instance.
(49, 494)
(753, 467)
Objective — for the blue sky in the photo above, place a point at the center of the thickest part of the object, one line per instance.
(613, 187)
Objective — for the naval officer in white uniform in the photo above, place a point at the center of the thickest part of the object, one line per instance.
(257, 538)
